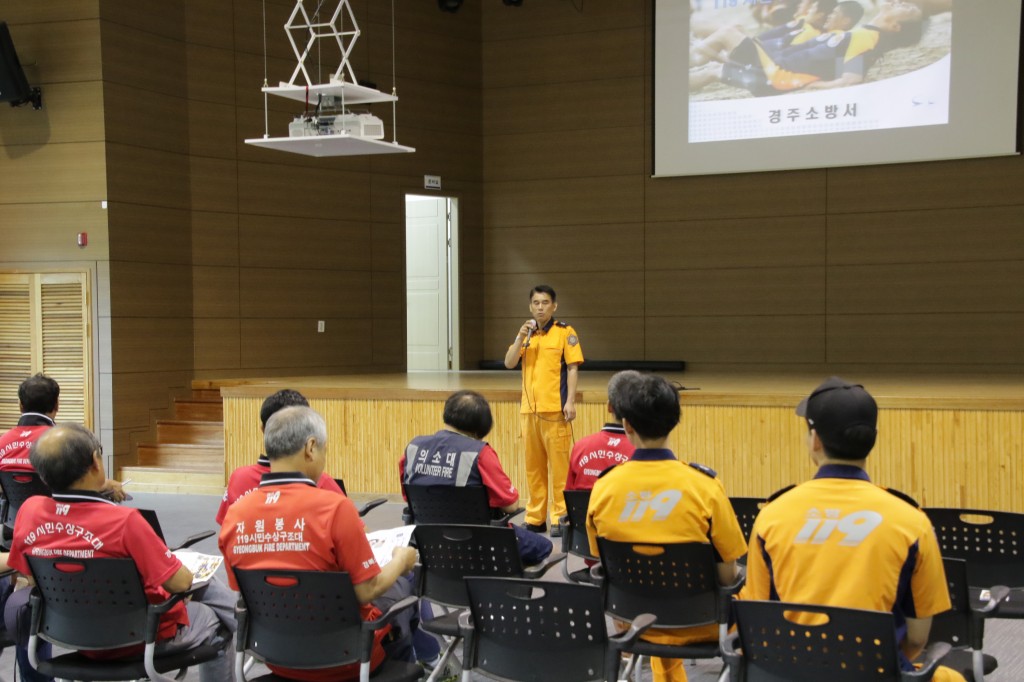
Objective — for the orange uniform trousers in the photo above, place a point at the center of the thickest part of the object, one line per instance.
(548, 439)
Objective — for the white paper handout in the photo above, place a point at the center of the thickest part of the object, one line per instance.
(382, 542)
(203, 566)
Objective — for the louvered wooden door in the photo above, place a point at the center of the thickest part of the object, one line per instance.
(44, 327)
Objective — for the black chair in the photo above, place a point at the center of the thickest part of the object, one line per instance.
(95, 604)
(453, 504)
(308, 620)
(992, 544)
(366, 506)
(451, 553)
(574, 535)
(676, 582)
(963, 626)
(542, 632)
(18, 486)
(774, 643)
(746, 510)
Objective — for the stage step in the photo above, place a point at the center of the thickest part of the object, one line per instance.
(199, 409)
(177, 455)
(206, 394)
(172, 480)
(190, 431)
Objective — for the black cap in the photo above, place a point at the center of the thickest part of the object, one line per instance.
(844, 416)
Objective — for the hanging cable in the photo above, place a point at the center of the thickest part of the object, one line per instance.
(394, 83)
(266, 104)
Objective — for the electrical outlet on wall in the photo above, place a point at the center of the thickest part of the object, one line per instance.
(320, 326)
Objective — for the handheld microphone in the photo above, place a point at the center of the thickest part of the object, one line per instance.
(533, 328)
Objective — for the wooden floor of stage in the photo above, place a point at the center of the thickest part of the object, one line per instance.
(947, 440)
(984, 391)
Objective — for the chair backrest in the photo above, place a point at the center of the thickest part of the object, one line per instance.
(575, 536)
(300, 619)
(90, 603)
(537, 631)
(450, 553)
(17, 487)
(954, 626)
(991, 542)
(677, 582)
(448, 504)
(746, 509)
(842, 645)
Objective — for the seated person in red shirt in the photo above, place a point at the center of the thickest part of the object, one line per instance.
(329, 535)
(246, 479)
(458, 455)
(69, 459)
(39, 400)
(606, 448)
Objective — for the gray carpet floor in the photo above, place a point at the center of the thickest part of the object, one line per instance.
(183, 515)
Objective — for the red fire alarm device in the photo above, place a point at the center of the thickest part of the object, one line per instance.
(83, 240)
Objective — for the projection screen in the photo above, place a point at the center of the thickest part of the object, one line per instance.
(759, 85)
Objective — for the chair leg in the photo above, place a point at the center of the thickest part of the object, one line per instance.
(442, 665)
(978, 664)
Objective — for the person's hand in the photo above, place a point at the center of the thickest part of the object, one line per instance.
(527, 327)
(112, 490)
(407, 555)
(569, 411)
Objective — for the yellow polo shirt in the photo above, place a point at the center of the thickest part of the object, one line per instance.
(545, 363)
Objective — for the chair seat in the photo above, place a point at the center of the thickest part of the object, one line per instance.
(446, 625)
(960, 660)
(389, 671)
(1011, 607)
(695, 650)
(75, 666)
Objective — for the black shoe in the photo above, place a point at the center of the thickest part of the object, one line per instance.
(556, 531)
(536, 528)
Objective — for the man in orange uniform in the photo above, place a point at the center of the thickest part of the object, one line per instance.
(841, 540)
(691, 502)
(551, 355)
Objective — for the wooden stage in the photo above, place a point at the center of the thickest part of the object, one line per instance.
(953, 440)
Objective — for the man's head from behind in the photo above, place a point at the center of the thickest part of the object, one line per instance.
(69, 456)
(281, 399)
(618, 386)
(295, 438)
(649, 406)
(39, 393)
(844, 416)
(468, 412)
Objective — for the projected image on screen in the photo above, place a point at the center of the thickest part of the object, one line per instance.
(775, 68)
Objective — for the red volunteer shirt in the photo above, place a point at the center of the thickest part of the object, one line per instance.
(309, 529)
(595, 453)
(81, 524)
(246, 479)
(16, 443)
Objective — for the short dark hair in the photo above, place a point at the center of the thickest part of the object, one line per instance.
(289, 428)
(852, 10)
(618, 385)
(63, 455)
(826, 6)
(39, 393)
(283, 398)
(651, 405)
(468, 411)
(543, 289)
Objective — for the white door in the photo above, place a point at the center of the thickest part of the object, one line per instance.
(428, 282)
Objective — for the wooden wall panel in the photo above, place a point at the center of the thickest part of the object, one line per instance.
(586, 105)
(16, 12)
(943, 338)
(747, 341)
(58, 50)
(144, 290)
(211, 128)
(590, 294)
(564, 154)
(926, 288)
(214, 238)
(73, 113)
(148, 234)
(47, 232)
(289, 342)
(735, 292)
(269, 241)
(131, 177)
(565, 248)
(73, 172)
(568, 201)
(318, 294)
(218, 343)
(755, 449)
(215, 292)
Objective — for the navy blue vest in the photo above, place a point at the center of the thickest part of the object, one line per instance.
(445, 458)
